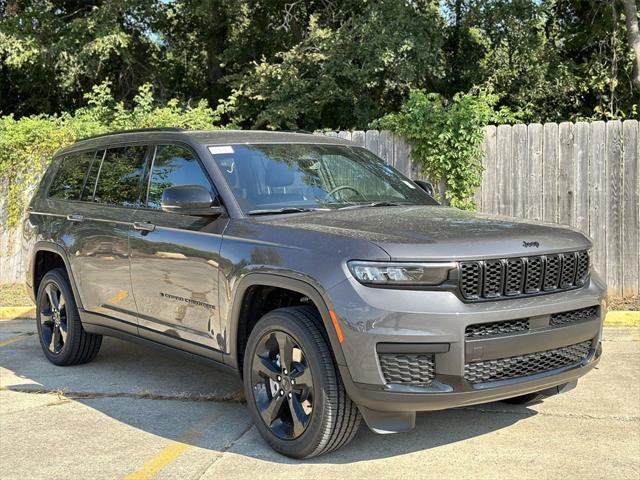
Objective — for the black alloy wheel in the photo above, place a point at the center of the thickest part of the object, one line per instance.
(282, 385)
(53, 318)
(63, 339)
(293, 388)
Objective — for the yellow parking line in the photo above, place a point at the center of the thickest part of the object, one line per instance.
(165, 456)
(11, 313)
(9, 341)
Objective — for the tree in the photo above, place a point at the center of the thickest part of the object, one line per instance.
(633, 36)
(53, 51)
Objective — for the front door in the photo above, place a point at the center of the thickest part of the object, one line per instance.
(174, 258)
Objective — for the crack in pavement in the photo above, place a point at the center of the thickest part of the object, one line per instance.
(235, 397)
(238, 397)
(223, 451)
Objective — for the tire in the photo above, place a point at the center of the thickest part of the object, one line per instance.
(523, 399)
(73, 346)
(333, 419)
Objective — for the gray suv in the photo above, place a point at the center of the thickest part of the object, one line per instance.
(337, 288)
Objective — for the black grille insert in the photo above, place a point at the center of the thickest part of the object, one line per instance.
(572, 316)
(524, 365)
(510, 277)
(417, 370)
(497, 328)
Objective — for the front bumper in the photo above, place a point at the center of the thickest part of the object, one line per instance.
(435, 321)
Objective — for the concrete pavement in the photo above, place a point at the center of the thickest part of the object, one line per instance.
(138, 413)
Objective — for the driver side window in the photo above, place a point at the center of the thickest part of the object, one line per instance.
(174, 165)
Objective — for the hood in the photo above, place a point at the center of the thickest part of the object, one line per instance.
(438, 233)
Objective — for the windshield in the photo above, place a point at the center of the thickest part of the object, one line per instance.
(287, 177)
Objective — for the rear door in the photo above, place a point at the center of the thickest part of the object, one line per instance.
(102, 221)
(174, 258)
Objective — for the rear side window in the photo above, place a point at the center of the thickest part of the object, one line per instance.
(119, 176)
(174, 165)
(69, 179)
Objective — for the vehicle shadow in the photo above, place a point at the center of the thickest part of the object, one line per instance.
(124, 372)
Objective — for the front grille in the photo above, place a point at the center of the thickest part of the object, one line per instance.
(521, 276)
(524, 365)
(496, 328)
(408, 369)
(572, 316)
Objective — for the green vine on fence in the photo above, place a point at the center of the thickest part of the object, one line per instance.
(28, 144)
(446, 139)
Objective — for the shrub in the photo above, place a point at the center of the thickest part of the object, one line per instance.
(446, 139)
(27, 144)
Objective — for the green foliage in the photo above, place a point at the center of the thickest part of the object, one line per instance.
(446, 139)
(319, 63)
(27, 144)
(344, 75)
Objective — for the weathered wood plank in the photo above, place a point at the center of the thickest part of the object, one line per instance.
(581, 175)
(519, 149)
(630, 210)
(372, 138)
(614, 207)
(503, 170)
(535, 166)
(565, 202)
(598, 195)
(385, 146)
(346, 134)
(357, 137)
(400, 155)
(489, 198)
(550, 172)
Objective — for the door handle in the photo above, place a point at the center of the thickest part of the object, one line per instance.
(75, 218)
(144, 226)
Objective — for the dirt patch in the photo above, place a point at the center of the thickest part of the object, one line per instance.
(14, 295)
(628, 303)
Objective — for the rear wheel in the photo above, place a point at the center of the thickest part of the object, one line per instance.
(293, 390)
(62, 338)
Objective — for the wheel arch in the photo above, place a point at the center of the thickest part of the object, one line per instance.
(301, 287)
(53, 248)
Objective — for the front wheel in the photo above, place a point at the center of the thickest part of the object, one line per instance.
(294, 392)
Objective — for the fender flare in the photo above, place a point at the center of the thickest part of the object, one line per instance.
(48, 246)
(279, 281)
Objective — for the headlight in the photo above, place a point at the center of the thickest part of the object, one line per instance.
(400, 274)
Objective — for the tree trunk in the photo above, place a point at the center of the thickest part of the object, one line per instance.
(633, 36)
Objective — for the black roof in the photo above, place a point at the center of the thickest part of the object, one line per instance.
(204, 137)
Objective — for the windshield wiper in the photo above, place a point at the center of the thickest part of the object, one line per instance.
(373, 204)
(275, 211)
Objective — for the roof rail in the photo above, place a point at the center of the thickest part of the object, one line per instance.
(136, 130)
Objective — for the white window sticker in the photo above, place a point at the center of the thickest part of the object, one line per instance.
(409, 184)
(221, 149)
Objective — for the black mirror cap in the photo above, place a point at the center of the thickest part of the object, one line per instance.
(426, 186)
(192, 200)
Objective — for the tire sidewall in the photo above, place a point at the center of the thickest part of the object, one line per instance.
(59, 278)
(308, 442)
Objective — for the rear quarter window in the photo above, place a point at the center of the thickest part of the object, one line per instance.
(70, 177)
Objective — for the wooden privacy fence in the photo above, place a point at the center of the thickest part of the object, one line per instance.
(581, 174)
(585, 175)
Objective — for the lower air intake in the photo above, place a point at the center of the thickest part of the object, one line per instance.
(416, 370)
(524, 365)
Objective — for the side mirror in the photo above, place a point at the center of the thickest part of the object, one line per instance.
(192, 200)
(427, 187)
